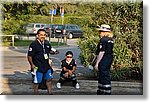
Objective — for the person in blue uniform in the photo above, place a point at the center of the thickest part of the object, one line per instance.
(68, 66)
(38, 58)
(104, 54)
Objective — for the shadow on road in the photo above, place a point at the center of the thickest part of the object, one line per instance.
(18, 83)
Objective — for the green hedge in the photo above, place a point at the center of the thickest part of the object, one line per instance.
(126, 19)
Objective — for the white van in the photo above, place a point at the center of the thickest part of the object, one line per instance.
(32, 28)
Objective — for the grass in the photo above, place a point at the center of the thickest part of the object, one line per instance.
(27, 43)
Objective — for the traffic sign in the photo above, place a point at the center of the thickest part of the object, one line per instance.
(52, 11)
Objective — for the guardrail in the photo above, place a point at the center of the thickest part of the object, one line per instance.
(13, 38)
(61, 38)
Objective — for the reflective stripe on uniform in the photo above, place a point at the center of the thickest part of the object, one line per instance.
(105, 91)
(104, 86)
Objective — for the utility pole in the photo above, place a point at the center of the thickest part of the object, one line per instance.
(52, 13)
(62, 12)
(62, 21)
(62, 15)
(51, 20)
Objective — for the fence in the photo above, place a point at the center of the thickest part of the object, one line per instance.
(12, 37)
(61, 38)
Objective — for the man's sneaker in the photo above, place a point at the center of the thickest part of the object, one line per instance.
(77, 86)
(58, 85)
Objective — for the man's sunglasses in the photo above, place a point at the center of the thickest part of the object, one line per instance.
(69, 56)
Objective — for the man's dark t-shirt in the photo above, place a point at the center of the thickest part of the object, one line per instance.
(37, 51)
(106, 44)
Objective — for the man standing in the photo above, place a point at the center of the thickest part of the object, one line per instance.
(38, 58)
(104, 54)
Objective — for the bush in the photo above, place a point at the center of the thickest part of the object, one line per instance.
(133, 73)
(126, 21)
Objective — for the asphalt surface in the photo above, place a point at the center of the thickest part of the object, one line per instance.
(16, 77)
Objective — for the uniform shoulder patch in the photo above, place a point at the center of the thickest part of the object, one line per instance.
(75, 62)
(110, 41)
(48, 46)
(100, 46)
(30, 49)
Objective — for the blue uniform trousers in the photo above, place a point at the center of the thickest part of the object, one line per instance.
(104, 82)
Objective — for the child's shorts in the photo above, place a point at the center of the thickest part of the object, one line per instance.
(40, 76)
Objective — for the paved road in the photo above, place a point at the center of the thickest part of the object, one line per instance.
(87, 87)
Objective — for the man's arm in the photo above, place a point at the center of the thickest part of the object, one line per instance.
(66, 72)
(54, 51)
(99, 57)
(74, 66)
(65, 69)
(31, 62)
(74, 69)
(71, 71)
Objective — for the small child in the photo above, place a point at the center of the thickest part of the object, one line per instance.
(68, 66)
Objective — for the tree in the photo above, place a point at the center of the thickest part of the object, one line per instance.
(126, 19)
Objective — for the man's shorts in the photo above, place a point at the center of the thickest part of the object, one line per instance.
(40, 76)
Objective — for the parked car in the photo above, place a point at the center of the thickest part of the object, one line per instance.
(47, 28)
(50, 29)
(32, 28)
(70, 30)
(57, 32)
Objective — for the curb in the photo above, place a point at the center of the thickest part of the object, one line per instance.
(90, 82)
